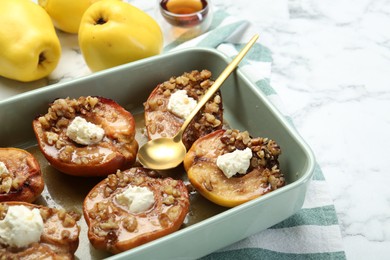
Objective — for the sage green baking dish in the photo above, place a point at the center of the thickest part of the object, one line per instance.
(246, 108)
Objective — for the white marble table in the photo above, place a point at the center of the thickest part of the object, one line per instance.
(332, 70)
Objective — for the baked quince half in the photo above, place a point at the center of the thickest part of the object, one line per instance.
(229, 167)
(87, 136)
(133, 207)
(20, 176)
(29, 231)
(171, 102)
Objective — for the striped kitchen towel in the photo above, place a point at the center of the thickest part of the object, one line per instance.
(313, 232)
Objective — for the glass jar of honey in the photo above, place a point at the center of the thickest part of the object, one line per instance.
(185, 18)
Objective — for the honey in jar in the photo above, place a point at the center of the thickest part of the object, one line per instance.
(184, 13)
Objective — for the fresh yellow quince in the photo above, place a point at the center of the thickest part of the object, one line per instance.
(66, 14)
(114, 32)
(30, 48)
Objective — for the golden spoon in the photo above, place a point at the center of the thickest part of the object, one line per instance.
(168, 152)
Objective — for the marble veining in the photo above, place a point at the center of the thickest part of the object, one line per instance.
(331, 68)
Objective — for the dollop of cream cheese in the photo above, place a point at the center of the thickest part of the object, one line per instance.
(181, 104)
(235, 162)
(3, 168)
(136, 199)
(83, 132)
(21, 226)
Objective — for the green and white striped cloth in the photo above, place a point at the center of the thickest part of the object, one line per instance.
(313, 232)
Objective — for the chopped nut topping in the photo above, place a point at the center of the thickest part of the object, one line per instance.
(5, 183)
(164, 220)
(130, 223)
(265, 154)
(173, 213)
(109, 225)
(169, 200)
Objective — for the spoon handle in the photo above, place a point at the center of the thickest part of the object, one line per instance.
(218, 82)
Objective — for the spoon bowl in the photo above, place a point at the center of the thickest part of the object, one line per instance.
(168, 152)
(162, 153)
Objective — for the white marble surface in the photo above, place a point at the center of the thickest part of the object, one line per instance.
(332, 70)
